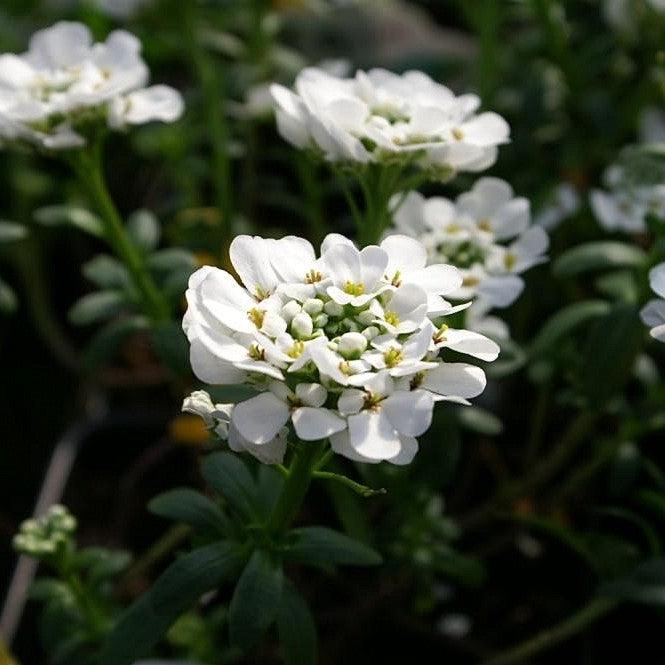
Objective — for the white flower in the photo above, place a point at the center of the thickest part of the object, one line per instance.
(64, 83)
(486, 234)
(379, 114)
(653, 313)
(624, 207)
(563, 203)
(309, 333)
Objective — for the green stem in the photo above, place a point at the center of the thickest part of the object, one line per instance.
(295, 487)
(546, 639)
(88, 168)
(358, 488)
(307, 174)
(212, 85)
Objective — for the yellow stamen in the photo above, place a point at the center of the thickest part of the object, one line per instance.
(393, 357)
(458, 134)
(392, 318)
(313, 276)
(296, 350)
(256, 316)
(354, 288)
(440, 335)
(256, 352)
(470, 281)
(509, 260)
(484, 224)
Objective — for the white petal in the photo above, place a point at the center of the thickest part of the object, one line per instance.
(313, 424)
(311, 394)
(372, 435)
(343, 262)
(62, 45)
(260, 418)
(292, 257)
(408, 450)
(351, 401)
(227, 301)
(471, 343)
(511, 219)
(328, 362)
(158, 102)
(342, 446)
(250, 257)
(334, 239)
(657, 279)
(410, 413)
(437, 279)
(486, 129)
(404, 254)
(455, 379)
(502, 290)
(374, 262)
(210, 369)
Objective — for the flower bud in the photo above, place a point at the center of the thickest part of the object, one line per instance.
(313, 306)
(200, 404)
(371, 332)
(351, 345)
(332, 308)
(366, 317)
(350, 325)
(290, 310)
(302, 325)
(321, 321)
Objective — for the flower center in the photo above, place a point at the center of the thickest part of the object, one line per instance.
(261, 293)
(392, 318)
(509, 260)
(354, 288)
(484, 224)
(372, 401)
(440, 335)
(458, 134)
(397, 279)
(256, 316)
(296, 350)
(416, 380)
(470, 280)
(256, 352)
(313, 276)
(393, 357)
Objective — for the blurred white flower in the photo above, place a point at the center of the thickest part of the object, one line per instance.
(624, 207)
(653, 313)
(64, 83)
(379, 115)
(486, 234)
(563, 203)
(344, 346)
(121, 9)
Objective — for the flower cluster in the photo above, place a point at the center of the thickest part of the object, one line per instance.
(46, 535)
(624, 207)
(380, 116)
(345, 346)
(64, 82)
(485, 233)
(653, 313)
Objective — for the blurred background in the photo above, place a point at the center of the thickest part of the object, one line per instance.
(99, 407)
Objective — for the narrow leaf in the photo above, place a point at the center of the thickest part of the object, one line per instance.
(191, 507)
(144, 229)
(65, 215)
(255, 599)
(96, 306)
(317, 545)
(178, 589)
(10, 231)
(107, 341)
(601, 255)
(229, 476)
(106, 272)
(296, 628)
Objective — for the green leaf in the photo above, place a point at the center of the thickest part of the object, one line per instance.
(269, 482)
(65, 215)
(10, 231)
(228, 475)
(191, 507)
(143, 227)
(479, 420)
(178, 589)
(296, 628)
(8, 300)
(170, 344)
(318, 545)
(645, 584)
(609, 353)
(619, 285)
(173, 258)
(107, 341)
(600, 255)
(255, 599)
(564, 322)
(96, 306)
(106, 272)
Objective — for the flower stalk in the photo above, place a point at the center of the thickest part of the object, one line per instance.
(88, 168)
(295, 486)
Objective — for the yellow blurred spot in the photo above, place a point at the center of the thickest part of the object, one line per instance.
(5, 656)
(188, 430)
(205, 259)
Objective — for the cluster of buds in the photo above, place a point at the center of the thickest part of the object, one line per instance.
(47, 535)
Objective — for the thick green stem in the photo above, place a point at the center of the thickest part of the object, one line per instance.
(595, 610)
(88, 168)
(295, 487)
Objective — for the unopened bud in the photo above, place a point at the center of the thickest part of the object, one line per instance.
(302, 325)
(332, 308)
(351, 345)
(290, 310)
(313, 306)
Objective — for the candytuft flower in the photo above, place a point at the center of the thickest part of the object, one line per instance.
(336, 347)
(485, 233)
(63, 84)
(377, 116)
(653, 313)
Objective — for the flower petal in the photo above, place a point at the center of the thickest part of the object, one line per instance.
(455, 379)
(313, 424)
(410, 412)
(372, 435)
(260, 418)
